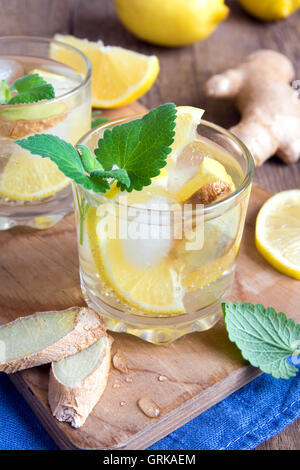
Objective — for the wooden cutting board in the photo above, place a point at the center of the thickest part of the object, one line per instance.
(39, 271)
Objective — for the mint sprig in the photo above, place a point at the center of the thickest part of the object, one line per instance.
(130, 154)
(28, 89)
(266, 338)
(140, 146)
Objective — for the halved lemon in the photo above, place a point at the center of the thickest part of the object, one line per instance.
(120, 76)
(277, 233)
(154, 288)
(27, 177)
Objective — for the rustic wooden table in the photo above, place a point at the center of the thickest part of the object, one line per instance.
(183, 73)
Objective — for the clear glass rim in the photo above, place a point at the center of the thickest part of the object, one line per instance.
(49, 41)
(207, 209)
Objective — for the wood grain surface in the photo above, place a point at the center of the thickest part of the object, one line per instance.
(36, 17)
(200, 368)
(183, 73)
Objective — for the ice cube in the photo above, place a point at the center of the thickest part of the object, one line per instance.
(149, 236)
(10, 70)
(186, 166)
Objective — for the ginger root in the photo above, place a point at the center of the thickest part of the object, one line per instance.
(210, 192)
(77, 382)
(47, 336)
(269, 106)
(17, 129)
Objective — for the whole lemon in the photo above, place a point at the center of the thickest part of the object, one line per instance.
(171, 22)
(270, 10)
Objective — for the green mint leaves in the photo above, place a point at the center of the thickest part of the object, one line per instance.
(4, 92)
(28, 89)
(140, 146)
(266, 338)
(97, 121)
(130, 154)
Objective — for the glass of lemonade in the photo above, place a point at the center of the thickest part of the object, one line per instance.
(157, 263)
(33, 191)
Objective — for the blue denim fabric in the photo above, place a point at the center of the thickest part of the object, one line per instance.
(248, 417)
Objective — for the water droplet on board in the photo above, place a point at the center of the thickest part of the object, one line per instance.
(128, 380)
(148, 407)
(122, 403)
(162, 378)
(119, 362)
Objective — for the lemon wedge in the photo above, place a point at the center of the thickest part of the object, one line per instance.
(27, 177)
(148, 283)
(277, 233)
(210, 170)
(120, 76)
(187, 120)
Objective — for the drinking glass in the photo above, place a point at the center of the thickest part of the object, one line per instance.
(162, 277)
(33, 191)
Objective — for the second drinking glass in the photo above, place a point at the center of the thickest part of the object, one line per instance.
(33, 191)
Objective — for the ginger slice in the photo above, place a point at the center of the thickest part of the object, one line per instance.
(210, 192)
(22, 127)
(47, 336)
(77, 382)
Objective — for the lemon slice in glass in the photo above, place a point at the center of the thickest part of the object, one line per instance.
(27, 177)
(187, 120)
(209, 171)
(277, 233)
(139, 271)
(60, 83)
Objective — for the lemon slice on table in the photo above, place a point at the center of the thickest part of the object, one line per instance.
(140, 273)
(27, 177)
(120, 76)
(277, 233)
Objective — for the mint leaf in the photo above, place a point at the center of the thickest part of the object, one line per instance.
(98, 121)
(120, 175)
(30, 89)
(43, 92)
(140, 146)
(28, 82)
(266, 338)
(4, 92)
(95, 169)
(88, 161)
(63, 154)
(74, 164)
